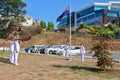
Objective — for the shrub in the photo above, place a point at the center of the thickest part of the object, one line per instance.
(102, 55)
(34, 30)
(25, 36)
(101, 49)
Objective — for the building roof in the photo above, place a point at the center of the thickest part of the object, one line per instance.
(101, 4)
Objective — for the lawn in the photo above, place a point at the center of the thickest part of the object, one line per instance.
(53, 67)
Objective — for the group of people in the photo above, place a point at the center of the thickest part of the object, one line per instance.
(14, 47)
(82, 52)
(14, 50)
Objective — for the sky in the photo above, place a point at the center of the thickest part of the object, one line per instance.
(49, 10)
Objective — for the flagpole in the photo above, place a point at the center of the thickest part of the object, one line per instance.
(70, 30)
(70, 24)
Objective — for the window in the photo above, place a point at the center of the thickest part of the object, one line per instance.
(91, 16)
(64, 21)
(98, 13)
(85, 12)
(78, 21)
(112, 14)
(100, 7)
(77, 48)
(84, 19)
(28, 18)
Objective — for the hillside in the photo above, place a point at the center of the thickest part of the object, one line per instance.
(52, 38)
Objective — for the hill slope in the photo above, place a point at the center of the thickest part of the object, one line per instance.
(52, 38)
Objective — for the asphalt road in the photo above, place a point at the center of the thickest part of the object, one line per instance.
(115, 56)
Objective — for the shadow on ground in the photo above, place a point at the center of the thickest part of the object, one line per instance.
(91, 69)
(4, 60)
(77, 68)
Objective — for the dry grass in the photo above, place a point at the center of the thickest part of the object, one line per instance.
(50, 67)
(52, 38)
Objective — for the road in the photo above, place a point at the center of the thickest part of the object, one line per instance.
(115, 56)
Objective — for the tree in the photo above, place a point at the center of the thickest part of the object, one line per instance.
(50, 26)
(101, 48)
(43, 24)
(12, 10)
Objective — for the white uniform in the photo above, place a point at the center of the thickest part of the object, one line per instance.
(82, 52)
(16, 52)
(67, 52)
(11, 47)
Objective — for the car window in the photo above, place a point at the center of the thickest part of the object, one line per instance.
(77, 48)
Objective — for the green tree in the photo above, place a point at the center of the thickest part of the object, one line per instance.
(101, 48)
(12, 10)
(50, 26)
(114, 28)
(43, 24)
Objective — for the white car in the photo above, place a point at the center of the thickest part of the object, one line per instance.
(1, 48)
(61, 51)
(75, 50)
(53, 49)
(49, 50)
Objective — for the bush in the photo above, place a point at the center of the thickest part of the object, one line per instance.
(3, 34)
(34, 30)
(101, 50)
(25, 36)
(102, 55)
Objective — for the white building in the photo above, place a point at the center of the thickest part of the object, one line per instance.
(28, 22)
(5, 23)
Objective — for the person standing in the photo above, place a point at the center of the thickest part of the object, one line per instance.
(16, 51)
(11, 47)
(67, 52)
(82, 52)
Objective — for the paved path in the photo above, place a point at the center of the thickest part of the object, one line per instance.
(115, 56)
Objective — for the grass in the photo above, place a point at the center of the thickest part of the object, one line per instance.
(37, 66)
(91, 71)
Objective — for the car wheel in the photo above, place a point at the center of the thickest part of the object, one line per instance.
(61, 53)
(50, 52)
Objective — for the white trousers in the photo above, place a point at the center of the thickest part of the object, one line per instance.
(13, 57)
(67, 54)
(82, 57)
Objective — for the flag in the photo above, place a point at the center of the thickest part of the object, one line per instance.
(66, 12)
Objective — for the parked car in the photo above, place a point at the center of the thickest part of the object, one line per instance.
(28, 49)
(61, 50)
(42, 50)
(49, 50)
(33, 49)
(1, 48)
(75, 50)
(52, 49)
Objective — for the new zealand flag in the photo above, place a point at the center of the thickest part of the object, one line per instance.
(66, 12)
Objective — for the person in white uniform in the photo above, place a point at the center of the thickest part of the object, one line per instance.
(67, 52)
(82, 52)
(16, 51)
(11, 47)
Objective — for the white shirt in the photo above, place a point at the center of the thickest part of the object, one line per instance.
(11, 46)
(16, 46)
(82, 50)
